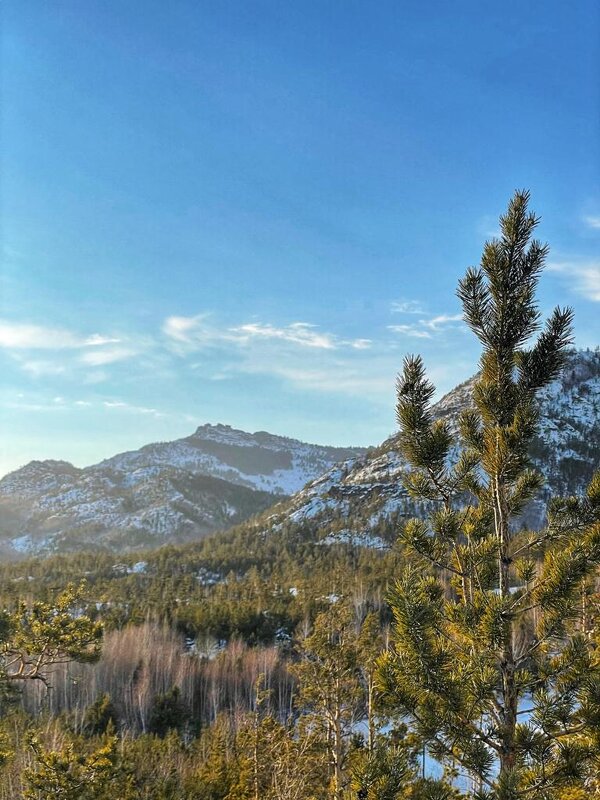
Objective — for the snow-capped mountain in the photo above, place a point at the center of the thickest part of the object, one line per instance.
(164, 492)
(219, 477)
(260, 461)
(362, 500)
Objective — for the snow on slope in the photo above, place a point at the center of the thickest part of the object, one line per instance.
(364, 496)
(260, 460)
(168, 491)
(220, 476)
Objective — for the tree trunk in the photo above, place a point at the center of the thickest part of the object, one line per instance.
(370, 714)
(337, 748)
(507, 665)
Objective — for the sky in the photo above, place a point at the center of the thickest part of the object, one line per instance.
(249, 212)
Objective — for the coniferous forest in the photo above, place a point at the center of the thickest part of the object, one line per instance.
(460, 661)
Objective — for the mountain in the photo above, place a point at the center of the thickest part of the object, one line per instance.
(362, 500)
(220, 477)
(164, 492)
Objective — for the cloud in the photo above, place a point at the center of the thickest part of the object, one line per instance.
(407, 307)
(183, 329)
(427, 328)
(187, 334)
(489, 227)
(373, 379)
(441, 321)
(196, 332)
(16, 335)
(298, 353)
(99, 358)
(415, 331)
(25, 344)
(60, 403)
(300, 333)
(39, 368)
(119, 405)
(95, 340)
(38, 407)
(584, 276)
(592, 222)
(23, 336)
(44, 351)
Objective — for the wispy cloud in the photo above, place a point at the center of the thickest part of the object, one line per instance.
(414, 331)
(59, 403)
(119, 405)
(300, 333)
(95, 340)
(16, 335)
(442, 321)
(407, 307)
(592, 221)
(99, 358)
(583, 276)
(23, 336)
(426, 328)
(198, 332)
(38, 368)
(45, 351)
(298, 353)
(184, 329)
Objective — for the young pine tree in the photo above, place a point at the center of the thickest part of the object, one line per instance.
(330, 689)
(35, 637)
(496, 674)
(71, 774)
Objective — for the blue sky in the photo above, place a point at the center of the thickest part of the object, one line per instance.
(248, 212)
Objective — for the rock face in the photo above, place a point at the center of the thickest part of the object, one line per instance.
(218, 477)
(362, 500)
(164, 492)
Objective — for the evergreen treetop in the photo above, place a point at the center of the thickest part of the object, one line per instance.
(496, 673)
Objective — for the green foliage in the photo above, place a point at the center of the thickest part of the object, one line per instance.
(99, 716)
(167, 713)
(69, 774)
(384, 773)
(41, 635)
(470, 658)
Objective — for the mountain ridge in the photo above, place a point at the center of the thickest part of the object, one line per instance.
(165, 491)
(176, 491)
(363, 500)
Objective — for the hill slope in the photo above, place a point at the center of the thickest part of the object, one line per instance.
(362, 499)
(164, 492)
(219, 477)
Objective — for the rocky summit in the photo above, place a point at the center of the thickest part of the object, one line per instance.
(164, 492)
(219, 477)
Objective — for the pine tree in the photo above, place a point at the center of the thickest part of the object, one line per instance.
(69, 774)
(167, 713)
(98, 716)
(496, 674)
(36, 637)
(330, 688)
